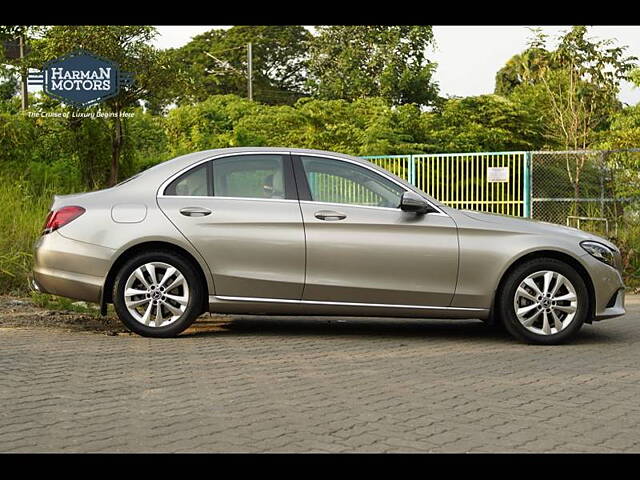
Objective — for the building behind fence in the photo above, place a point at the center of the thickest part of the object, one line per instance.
(593, 189)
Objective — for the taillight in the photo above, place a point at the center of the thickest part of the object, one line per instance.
(59, 218)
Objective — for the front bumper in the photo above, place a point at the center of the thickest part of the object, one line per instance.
(70, 268)
(608, 289)
(615, 307)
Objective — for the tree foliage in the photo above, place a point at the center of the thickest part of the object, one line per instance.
(361, 104)
(573, 89)
(130, 47)
(353, 62)
(216, 62)
(525, 68)
(484, 123)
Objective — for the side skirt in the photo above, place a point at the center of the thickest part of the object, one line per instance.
(280, 306)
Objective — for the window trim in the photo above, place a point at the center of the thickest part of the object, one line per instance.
(289, 182)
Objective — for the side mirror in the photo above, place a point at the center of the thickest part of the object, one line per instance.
(411, 202)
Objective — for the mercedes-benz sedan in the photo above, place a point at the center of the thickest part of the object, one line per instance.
(304, 232)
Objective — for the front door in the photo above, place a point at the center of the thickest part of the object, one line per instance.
(241, 213)
(362, 248)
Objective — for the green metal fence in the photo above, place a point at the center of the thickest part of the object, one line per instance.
(496, 182)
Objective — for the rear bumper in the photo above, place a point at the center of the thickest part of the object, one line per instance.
(70, 268)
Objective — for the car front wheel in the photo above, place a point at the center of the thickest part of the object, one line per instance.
(157, 294)
(544, 301)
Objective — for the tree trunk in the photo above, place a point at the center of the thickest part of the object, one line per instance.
(116, 147)
(87, 168)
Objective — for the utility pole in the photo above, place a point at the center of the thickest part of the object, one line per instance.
(23, 73)
(249, 71)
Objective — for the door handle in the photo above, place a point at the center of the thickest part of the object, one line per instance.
(329, 215)
(195, 211)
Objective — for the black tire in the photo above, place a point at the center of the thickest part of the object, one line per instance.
(506, 295)
(194, 304)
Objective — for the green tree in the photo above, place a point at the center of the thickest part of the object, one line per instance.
(574, 92)
(217, 63)
(624, 133)
(130, 47)
(12, 70)
(364, 127)
(352, 62)
(573, 89)
(482, 123)
(525, 68)
(8, 78)
(8, 84)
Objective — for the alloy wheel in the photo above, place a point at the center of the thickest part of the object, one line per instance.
(545, 302)
(156, 294)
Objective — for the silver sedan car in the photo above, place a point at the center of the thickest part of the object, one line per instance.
(306, 232)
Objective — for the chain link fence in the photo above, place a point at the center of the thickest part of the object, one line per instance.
(594, 190)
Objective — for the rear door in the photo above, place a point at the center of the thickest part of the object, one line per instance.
(242, 214)
(362, 248)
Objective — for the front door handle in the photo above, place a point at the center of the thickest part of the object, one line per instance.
(329, 215)
(195, 211)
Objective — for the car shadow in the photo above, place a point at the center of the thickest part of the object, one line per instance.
(375, 328)
(352, 326)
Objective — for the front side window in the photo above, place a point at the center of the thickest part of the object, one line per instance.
(249, 176)
(335, 181)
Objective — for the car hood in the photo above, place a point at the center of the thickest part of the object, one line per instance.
(524, 225)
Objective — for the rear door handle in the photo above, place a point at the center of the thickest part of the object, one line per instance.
(329, 215)
(195, 211)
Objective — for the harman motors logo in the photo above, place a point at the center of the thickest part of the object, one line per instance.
(81, 79)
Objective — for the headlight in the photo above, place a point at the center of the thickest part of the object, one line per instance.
(599, 251)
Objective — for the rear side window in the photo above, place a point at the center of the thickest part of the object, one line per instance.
(249, 176)
(242, 176)
(194, 183)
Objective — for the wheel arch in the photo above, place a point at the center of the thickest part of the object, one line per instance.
(563, 257)
(125, 255)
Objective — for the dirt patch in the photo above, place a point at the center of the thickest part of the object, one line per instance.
(22, 312)
(17, 312)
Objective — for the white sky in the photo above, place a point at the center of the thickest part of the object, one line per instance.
(468, 56)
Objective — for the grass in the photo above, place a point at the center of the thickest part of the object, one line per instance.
(52, 302)
(22, 214)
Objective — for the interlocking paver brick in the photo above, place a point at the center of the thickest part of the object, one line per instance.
(247, 384)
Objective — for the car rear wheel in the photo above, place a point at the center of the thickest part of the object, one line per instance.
(158, 294)
(544, 301)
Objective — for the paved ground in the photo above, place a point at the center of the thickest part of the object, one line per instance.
(301, 385)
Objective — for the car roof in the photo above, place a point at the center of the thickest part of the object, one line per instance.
(170, 167)
(196, 156)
